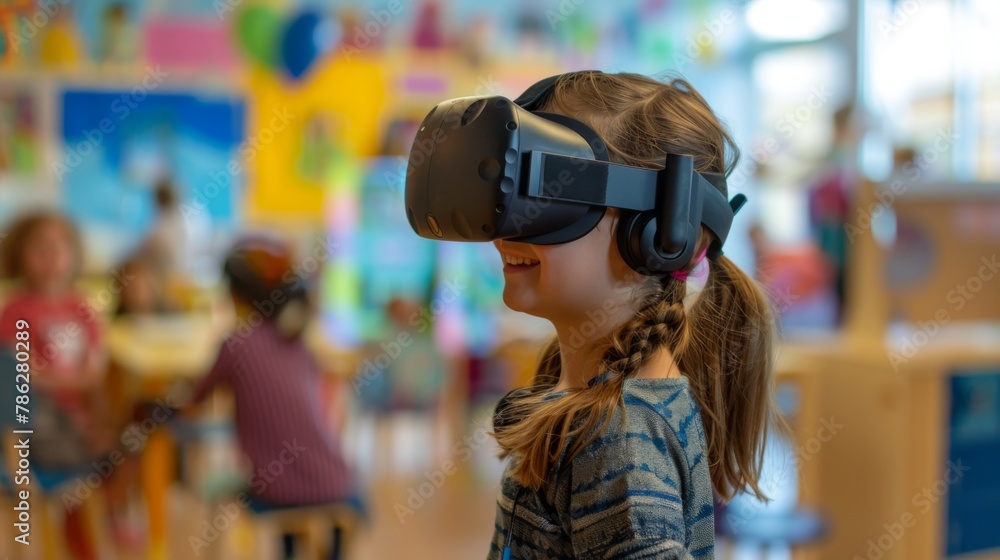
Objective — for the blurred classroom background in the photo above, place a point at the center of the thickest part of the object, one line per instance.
(163, 131)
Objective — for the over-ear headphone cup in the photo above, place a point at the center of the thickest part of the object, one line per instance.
(637, 244)
(629, 236)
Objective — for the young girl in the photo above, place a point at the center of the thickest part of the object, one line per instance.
(280, 423)
(657, 390)
(74, 429)
(42, 255)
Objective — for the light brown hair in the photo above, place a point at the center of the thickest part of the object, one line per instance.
(723, 344)
(19, 234)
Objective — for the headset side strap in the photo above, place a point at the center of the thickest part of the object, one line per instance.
(587, 181)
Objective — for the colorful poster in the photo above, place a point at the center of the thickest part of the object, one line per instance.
(119, 144)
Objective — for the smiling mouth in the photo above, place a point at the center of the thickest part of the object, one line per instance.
(517, 262)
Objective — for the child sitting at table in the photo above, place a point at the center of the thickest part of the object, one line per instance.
(275, 383)
(42, 254)
(144, 293)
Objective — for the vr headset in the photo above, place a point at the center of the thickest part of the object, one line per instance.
(486, 168)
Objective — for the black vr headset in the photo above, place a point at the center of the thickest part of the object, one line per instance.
(486, 168)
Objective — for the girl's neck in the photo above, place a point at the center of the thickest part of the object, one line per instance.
(581, 343)
(580, 359)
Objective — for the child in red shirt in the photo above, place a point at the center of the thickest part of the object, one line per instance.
(68, 361)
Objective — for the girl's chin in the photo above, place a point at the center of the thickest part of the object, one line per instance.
(516, 300)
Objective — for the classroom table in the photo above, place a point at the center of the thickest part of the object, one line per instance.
(156, 352)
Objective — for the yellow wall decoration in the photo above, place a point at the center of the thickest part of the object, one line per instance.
(298, 129)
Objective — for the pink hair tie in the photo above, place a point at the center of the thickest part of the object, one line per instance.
(696, 270)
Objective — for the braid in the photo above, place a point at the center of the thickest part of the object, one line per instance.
(661, 321)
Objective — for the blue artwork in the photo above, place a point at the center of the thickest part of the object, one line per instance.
(117, 145)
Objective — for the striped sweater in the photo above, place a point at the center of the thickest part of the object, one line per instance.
(280, 422)
(641, 490)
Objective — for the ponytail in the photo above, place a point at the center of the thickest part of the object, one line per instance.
(730, 367)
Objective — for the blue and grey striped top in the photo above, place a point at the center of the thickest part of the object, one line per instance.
(641, 490)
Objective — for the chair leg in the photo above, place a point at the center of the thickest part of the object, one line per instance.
(54, 518)
(277, 538)
(312, 542)
(339, 538)
(216, 549)
(318, 536)
(335, 546)
(95, 513)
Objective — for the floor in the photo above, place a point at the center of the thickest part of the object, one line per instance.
(431, 496)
